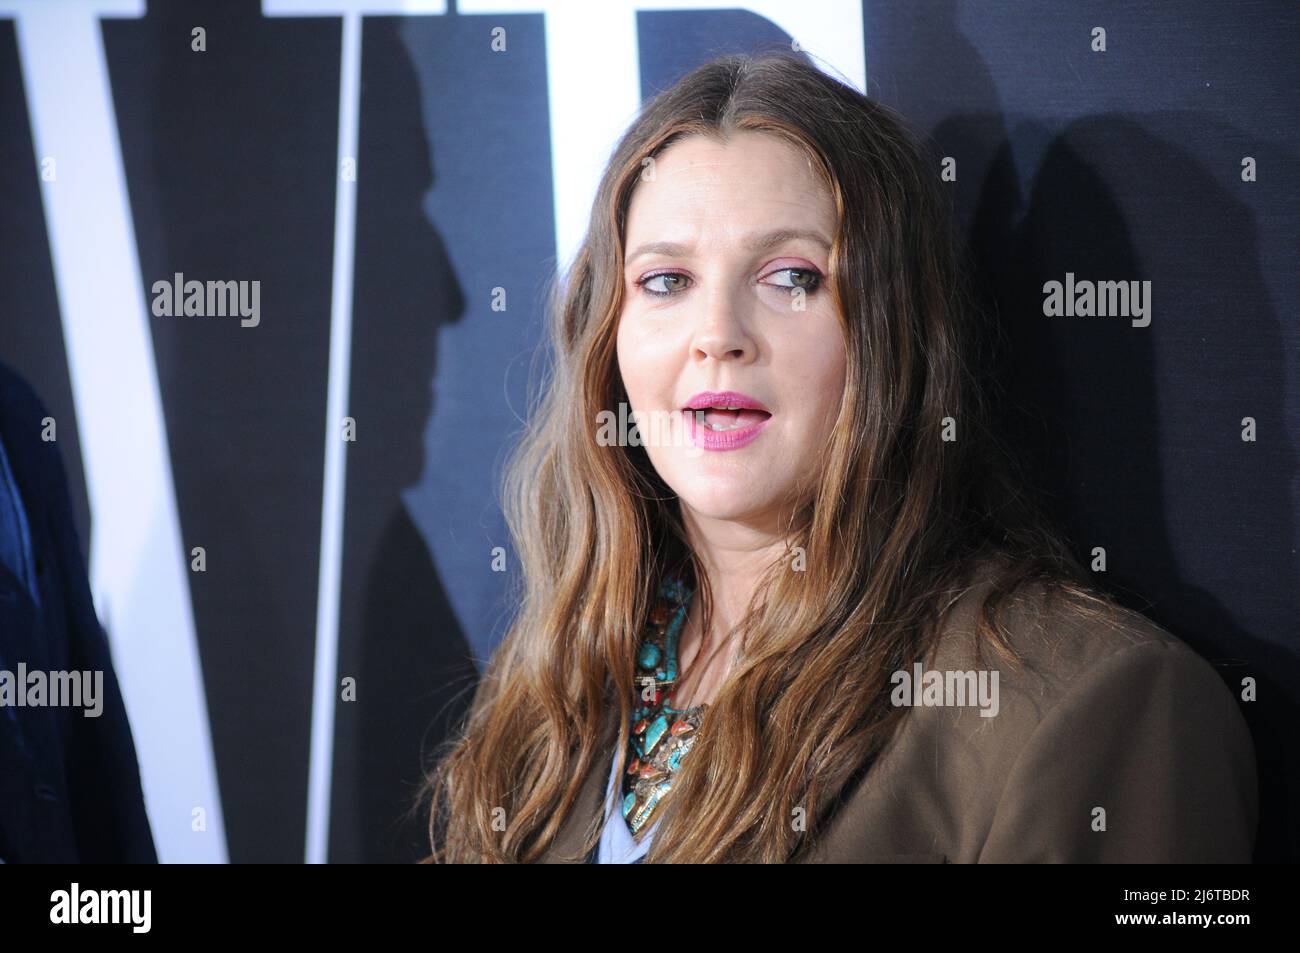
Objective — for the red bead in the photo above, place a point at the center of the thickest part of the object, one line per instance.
(681, 727)
(635, 766)
(640, 727)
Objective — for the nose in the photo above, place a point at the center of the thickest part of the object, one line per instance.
(722, 333)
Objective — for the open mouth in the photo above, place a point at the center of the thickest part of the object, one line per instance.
(722, 419)
(725, 420)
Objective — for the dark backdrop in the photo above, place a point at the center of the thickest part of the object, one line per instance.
(1122, 165)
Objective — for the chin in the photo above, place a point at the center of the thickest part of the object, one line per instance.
(723, 501)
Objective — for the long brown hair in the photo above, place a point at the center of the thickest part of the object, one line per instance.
(896, 518)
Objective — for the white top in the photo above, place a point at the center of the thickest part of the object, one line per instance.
(617, 846)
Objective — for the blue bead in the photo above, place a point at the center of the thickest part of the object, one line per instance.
(658, 728)
(676, 627)
(649, 655)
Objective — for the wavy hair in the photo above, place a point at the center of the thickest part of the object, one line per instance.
(895, 519)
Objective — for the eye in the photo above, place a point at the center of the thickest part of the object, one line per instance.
(663, 291)
(808, 279)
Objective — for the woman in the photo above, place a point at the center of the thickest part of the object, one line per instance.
(812, 617)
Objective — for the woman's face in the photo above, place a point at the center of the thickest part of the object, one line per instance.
(726, 304)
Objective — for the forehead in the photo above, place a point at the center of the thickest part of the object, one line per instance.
(753, 178)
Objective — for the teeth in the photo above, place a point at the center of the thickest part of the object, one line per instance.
(699, 415)
(722, 427)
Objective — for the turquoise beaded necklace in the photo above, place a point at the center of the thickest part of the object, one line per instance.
(661, 734)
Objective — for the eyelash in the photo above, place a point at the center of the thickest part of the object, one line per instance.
(817, 278)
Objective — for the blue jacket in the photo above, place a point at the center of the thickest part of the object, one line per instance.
(69, 784)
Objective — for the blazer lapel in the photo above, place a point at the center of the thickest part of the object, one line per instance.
(587, 808)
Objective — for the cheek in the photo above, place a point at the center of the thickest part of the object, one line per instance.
(630, 367)
(818, 361)
(832, 395)
(645, 363)
(832, 381)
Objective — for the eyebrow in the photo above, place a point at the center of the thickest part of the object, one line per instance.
(762, 242)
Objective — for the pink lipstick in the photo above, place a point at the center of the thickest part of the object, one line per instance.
(725, 420)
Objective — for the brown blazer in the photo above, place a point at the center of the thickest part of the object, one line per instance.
(1122, 717)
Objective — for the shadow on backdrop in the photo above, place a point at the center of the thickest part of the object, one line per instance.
(1090, 404)
(399, 637)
